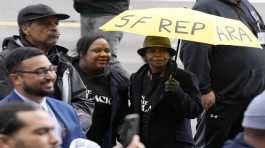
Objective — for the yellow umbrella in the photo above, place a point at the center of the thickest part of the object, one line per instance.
(183, 23)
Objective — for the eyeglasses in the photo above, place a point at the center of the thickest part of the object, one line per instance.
(40, 71)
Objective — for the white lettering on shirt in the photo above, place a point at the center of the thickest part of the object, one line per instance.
(103, 99)
(145, 105)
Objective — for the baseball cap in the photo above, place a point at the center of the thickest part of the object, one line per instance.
(254, 116)
(38, 11)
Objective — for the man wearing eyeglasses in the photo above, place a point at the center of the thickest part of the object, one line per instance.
(38, 27)
(33, 77)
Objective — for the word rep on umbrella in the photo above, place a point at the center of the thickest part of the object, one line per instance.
(185, 27)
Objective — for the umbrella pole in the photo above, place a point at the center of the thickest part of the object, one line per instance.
(177, 51)
(175, 66)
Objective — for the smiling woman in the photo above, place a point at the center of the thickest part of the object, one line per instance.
(106, 86)
(160, 89)
(94, 54)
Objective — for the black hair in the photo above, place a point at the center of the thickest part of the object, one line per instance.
(85, 42)
(18, 55)
(9, 122)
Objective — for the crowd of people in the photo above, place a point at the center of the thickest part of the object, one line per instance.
(50, 99)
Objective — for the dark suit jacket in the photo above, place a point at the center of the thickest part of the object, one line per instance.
(64, 113)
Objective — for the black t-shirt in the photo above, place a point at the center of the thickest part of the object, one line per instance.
(99, 85)
(148, 94)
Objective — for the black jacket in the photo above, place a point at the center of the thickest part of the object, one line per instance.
(169, 124)
(108, 7)
(57, 56)
(232, 72)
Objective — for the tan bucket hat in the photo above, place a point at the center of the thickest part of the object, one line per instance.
(156, 41)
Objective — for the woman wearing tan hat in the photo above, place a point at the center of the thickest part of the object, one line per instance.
(165, 96)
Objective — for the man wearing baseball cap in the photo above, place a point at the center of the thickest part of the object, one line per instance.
(164, 96)
(38, 28)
